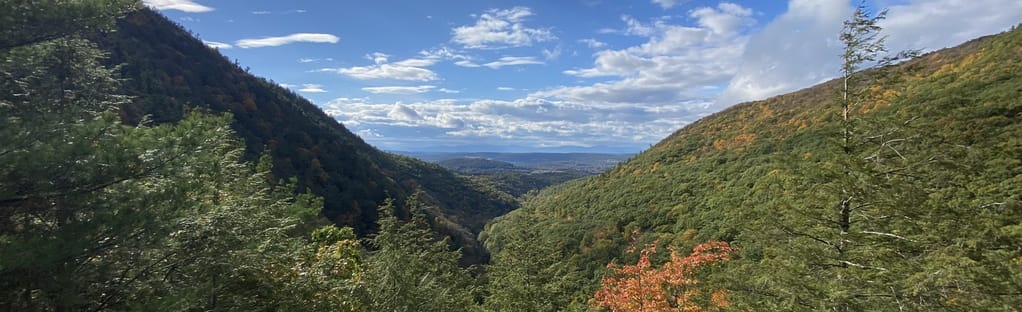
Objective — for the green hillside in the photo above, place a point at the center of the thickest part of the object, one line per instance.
(763, 175)
(170, 72)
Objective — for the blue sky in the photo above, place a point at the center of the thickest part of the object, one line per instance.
(555, 76)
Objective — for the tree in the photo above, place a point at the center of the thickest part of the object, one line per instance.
(27, 22)
(410, 270)
(97, 215)
(527, 273)
(671, 287)
(848, 239)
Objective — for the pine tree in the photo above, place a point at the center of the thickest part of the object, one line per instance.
(412, 271)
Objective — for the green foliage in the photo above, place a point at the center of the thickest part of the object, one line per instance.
(750, 174)
(527, 274)
(411, 271)
(100, 215)
(26, 22)
(170, 72)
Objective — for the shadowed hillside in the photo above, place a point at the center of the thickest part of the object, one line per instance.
(172, 72)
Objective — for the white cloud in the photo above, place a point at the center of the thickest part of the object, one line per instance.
(466, 63)
(936, 24)
(674, 66)
(505, 89)
(412, 69)
(403, 113)
(180, 5)
(667, 4)
(593, 43)
(799, 48)
(637, 95)
(399, 89)
(527, 122)
(552, 54)
(261, 12)
(446, 90)
(500, 29)
(727, 19)
(387, 71)
(312, 88)
(292, 38)
(416, 62)
(217, 45)
(512, 60)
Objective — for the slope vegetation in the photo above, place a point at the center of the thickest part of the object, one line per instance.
(749, 174)
(171, 72)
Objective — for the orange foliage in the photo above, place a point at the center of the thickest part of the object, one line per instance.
(671, 287)
(738, 141)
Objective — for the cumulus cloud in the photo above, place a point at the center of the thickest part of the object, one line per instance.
(676, 65)
(180, 5)
(513, 60)
(401, 112)
(217, 45)
(799, 48)
(312, 88)
(500, 28)
(399, 89)
(726, 19)
(289, 39)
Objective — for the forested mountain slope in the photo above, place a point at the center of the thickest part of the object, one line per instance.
(170, 72)
(940, 227)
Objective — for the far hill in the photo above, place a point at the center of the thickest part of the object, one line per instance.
(590, 162)
(943, 231)
(171, 72)
(508, 178)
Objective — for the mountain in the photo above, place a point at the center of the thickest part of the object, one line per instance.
(170, 72)
(508, 178)
(755, 173)
(589, 162)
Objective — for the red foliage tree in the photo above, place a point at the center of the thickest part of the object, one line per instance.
(645, 288)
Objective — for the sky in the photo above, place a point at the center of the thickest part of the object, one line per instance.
(553, 76)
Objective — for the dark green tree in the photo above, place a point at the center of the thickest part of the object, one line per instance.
(410, 270)
(527, 273)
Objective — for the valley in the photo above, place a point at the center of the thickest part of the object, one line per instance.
(141, 168)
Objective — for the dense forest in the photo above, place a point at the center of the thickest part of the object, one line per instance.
(167, 73)
(891, 188)
(142, 170)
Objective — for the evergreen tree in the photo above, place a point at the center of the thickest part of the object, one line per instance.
(527, 274)
(412, 271)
